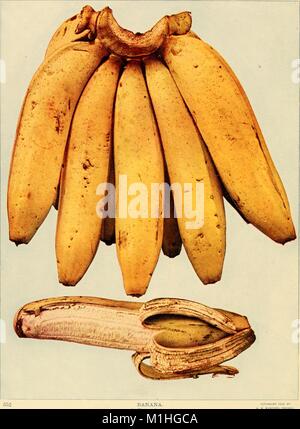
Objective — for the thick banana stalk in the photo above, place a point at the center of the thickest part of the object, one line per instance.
(229, 128)
(66, 32)
(86, 167)
(139, 163)
(181, 338)
(42, 134)
(125, 43)
(108, 235)
(189, 163)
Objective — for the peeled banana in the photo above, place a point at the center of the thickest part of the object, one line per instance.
(181, 338)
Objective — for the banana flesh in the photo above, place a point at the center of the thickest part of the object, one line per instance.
(180, 338)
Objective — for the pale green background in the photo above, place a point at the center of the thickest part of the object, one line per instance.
(259, 40)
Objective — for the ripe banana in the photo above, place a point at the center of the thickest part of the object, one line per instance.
(229, 128)
(86, 167)
(202, 113)
(172, 243)
(138, 159)
(108, 235)
(42, 134)
(182, 338)
(188, 162)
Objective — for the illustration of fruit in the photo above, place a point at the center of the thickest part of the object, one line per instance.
(86, 165)
(138, 157)
(163, 106)
(181, 338)
(188, 162)
(42, 134)
(230, 130)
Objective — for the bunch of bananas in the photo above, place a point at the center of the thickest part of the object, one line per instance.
(155, 107)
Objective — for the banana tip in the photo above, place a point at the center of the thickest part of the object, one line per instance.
(18, 242)
(68, 283)
(211, 280)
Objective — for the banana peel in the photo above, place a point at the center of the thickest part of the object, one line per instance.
(180, 338)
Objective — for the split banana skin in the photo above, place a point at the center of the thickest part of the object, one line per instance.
(180, 338)
(162, 106)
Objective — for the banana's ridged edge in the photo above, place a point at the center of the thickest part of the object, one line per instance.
(153, 373)
(188, 308)
(185, 360)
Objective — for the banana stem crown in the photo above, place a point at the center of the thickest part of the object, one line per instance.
(125, 43)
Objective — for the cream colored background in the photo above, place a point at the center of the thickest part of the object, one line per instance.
(259, 40)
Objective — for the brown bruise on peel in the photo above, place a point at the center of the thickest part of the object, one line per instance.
(122, 238)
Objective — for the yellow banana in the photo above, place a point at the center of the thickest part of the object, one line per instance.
(188, 162)
(42, 134)
(108, 224)
(87, 161)
(138, 159)
(229, 128)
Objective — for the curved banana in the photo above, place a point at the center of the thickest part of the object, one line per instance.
(189, 163)
(229, 128)
(181, 338)
(42, 134)
(139, 163)
(86, 167)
